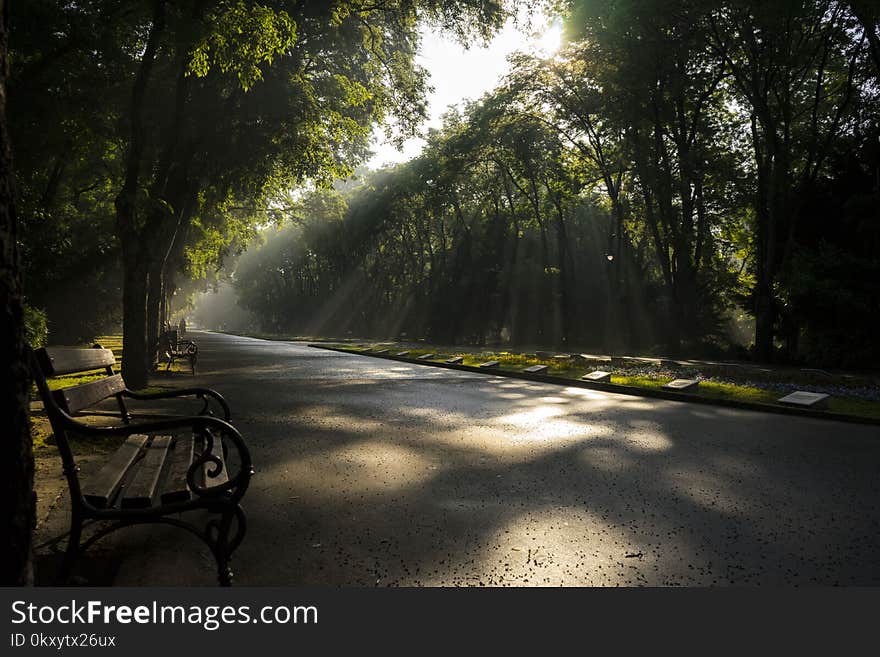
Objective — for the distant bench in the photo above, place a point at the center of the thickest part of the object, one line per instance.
(164, 467)
(177, 348)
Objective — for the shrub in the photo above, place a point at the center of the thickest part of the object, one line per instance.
(36, 328)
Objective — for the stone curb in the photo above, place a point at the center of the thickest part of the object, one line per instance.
(624, 390)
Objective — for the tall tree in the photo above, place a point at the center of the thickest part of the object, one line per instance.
(17, 504)
(868, 14)
(793, 67)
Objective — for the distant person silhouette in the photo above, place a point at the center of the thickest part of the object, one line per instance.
(181, 328)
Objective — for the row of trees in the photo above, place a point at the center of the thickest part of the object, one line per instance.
(676, 164)
(150, 136)
(153, 135)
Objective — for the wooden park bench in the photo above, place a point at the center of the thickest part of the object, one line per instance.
(176, 348)
(165, 467)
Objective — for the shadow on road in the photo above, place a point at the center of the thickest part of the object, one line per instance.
(379, 473)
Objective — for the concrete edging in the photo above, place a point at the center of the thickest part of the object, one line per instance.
(624, 390)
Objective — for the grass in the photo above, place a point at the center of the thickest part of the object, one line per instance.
(744, 393)
(507, 360)
(711, 389)
(41, 432)
(851, 406)
(569, 369)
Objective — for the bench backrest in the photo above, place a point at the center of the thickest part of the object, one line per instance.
(50, 362)
(55, 361)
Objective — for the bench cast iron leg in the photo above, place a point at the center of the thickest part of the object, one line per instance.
(72, 551)
(222, 553)
(227, 542)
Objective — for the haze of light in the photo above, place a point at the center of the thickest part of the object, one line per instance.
(458, 74)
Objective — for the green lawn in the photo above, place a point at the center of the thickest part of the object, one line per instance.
(571, 369)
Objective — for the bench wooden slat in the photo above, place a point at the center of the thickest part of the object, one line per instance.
(180, 458)
(66, 360)
(100, 489)
(139, 492)
(223, 476)
(76, 398)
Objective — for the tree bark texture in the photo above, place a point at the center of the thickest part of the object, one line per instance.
(16, 449)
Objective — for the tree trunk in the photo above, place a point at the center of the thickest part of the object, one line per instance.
(16, 449)
(134, 264)
(547, 303)
(868, 18)
(764, 320)
(134, 322)
(565, 269)
(764, 233)
(155, 294)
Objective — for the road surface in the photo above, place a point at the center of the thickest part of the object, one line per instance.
(373, 472)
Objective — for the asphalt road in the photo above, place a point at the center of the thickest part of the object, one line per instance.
(372, 472)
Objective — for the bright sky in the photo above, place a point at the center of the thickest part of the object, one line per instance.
(458, 74)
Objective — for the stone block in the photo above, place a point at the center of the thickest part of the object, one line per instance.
(682, 385)
(803, 399)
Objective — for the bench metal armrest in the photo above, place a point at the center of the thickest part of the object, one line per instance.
(210, 428)
(200, 393)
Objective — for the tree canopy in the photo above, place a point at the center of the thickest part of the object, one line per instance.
(677, 168)
(676, 171)
(158, 132)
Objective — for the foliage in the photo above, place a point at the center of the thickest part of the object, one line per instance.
(36, 328)
(675, 164)
(157, 135)
(246, 36)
